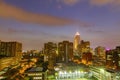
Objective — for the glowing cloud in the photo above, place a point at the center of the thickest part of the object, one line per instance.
(92, 2)
(104, 2)
(10, 12)
(100, 2)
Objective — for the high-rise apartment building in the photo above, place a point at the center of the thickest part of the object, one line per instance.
(113, 58)
(84, 47)
(100, 51)
(99, 56)
(76, 40)
(65, 51)
(11, 49)
(50, 49)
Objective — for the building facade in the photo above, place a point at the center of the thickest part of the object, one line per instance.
(100, 51)
(84, 47)
(36, 73)
(101, 73)
(50, 50)
(6, 62)
(87, 58)
(11, 49)
(76, 40)
(65, 51)
(113, 59)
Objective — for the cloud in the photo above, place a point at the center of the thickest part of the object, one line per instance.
(95, 31)
(15, 31)
(70, 2)
(10, 12)
(100, 2)
(117, 2)
(92, 2)
(10, 30)
(105, 2)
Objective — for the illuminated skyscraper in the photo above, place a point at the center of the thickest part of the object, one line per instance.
(76, 40)
(65, 51)
(50, 54)
(100, 51)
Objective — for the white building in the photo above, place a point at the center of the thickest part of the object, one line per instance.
(76, 40)
(102, 74)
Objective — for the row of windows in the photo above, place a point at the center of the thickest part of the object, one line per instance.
(40, 78)
(35, 74)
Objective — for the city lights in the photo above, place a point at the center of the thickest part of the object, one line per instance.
(59, 40)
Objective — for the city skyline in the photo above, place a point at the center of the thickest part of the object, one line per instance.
(34, 23)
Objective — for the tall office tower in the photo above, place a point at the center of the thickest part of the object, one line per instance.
(50, 49)
(11, 49)
(84, 47)
(65, 51)
(76, 40)
(100, 52)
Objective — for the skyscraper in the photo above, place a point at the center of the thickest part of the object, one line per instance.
(76, 40)
(50, 49)
(65, 51)
(100, 51)
(83, 47)
(11, 49)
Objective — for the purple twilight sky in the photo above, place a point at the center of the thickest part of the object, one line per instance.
(34, 22)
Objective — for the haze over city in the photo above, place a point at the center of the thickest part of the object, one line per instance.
(34, 22)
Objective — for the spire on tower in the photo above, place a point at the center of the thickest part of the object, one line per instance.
(77, 33)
